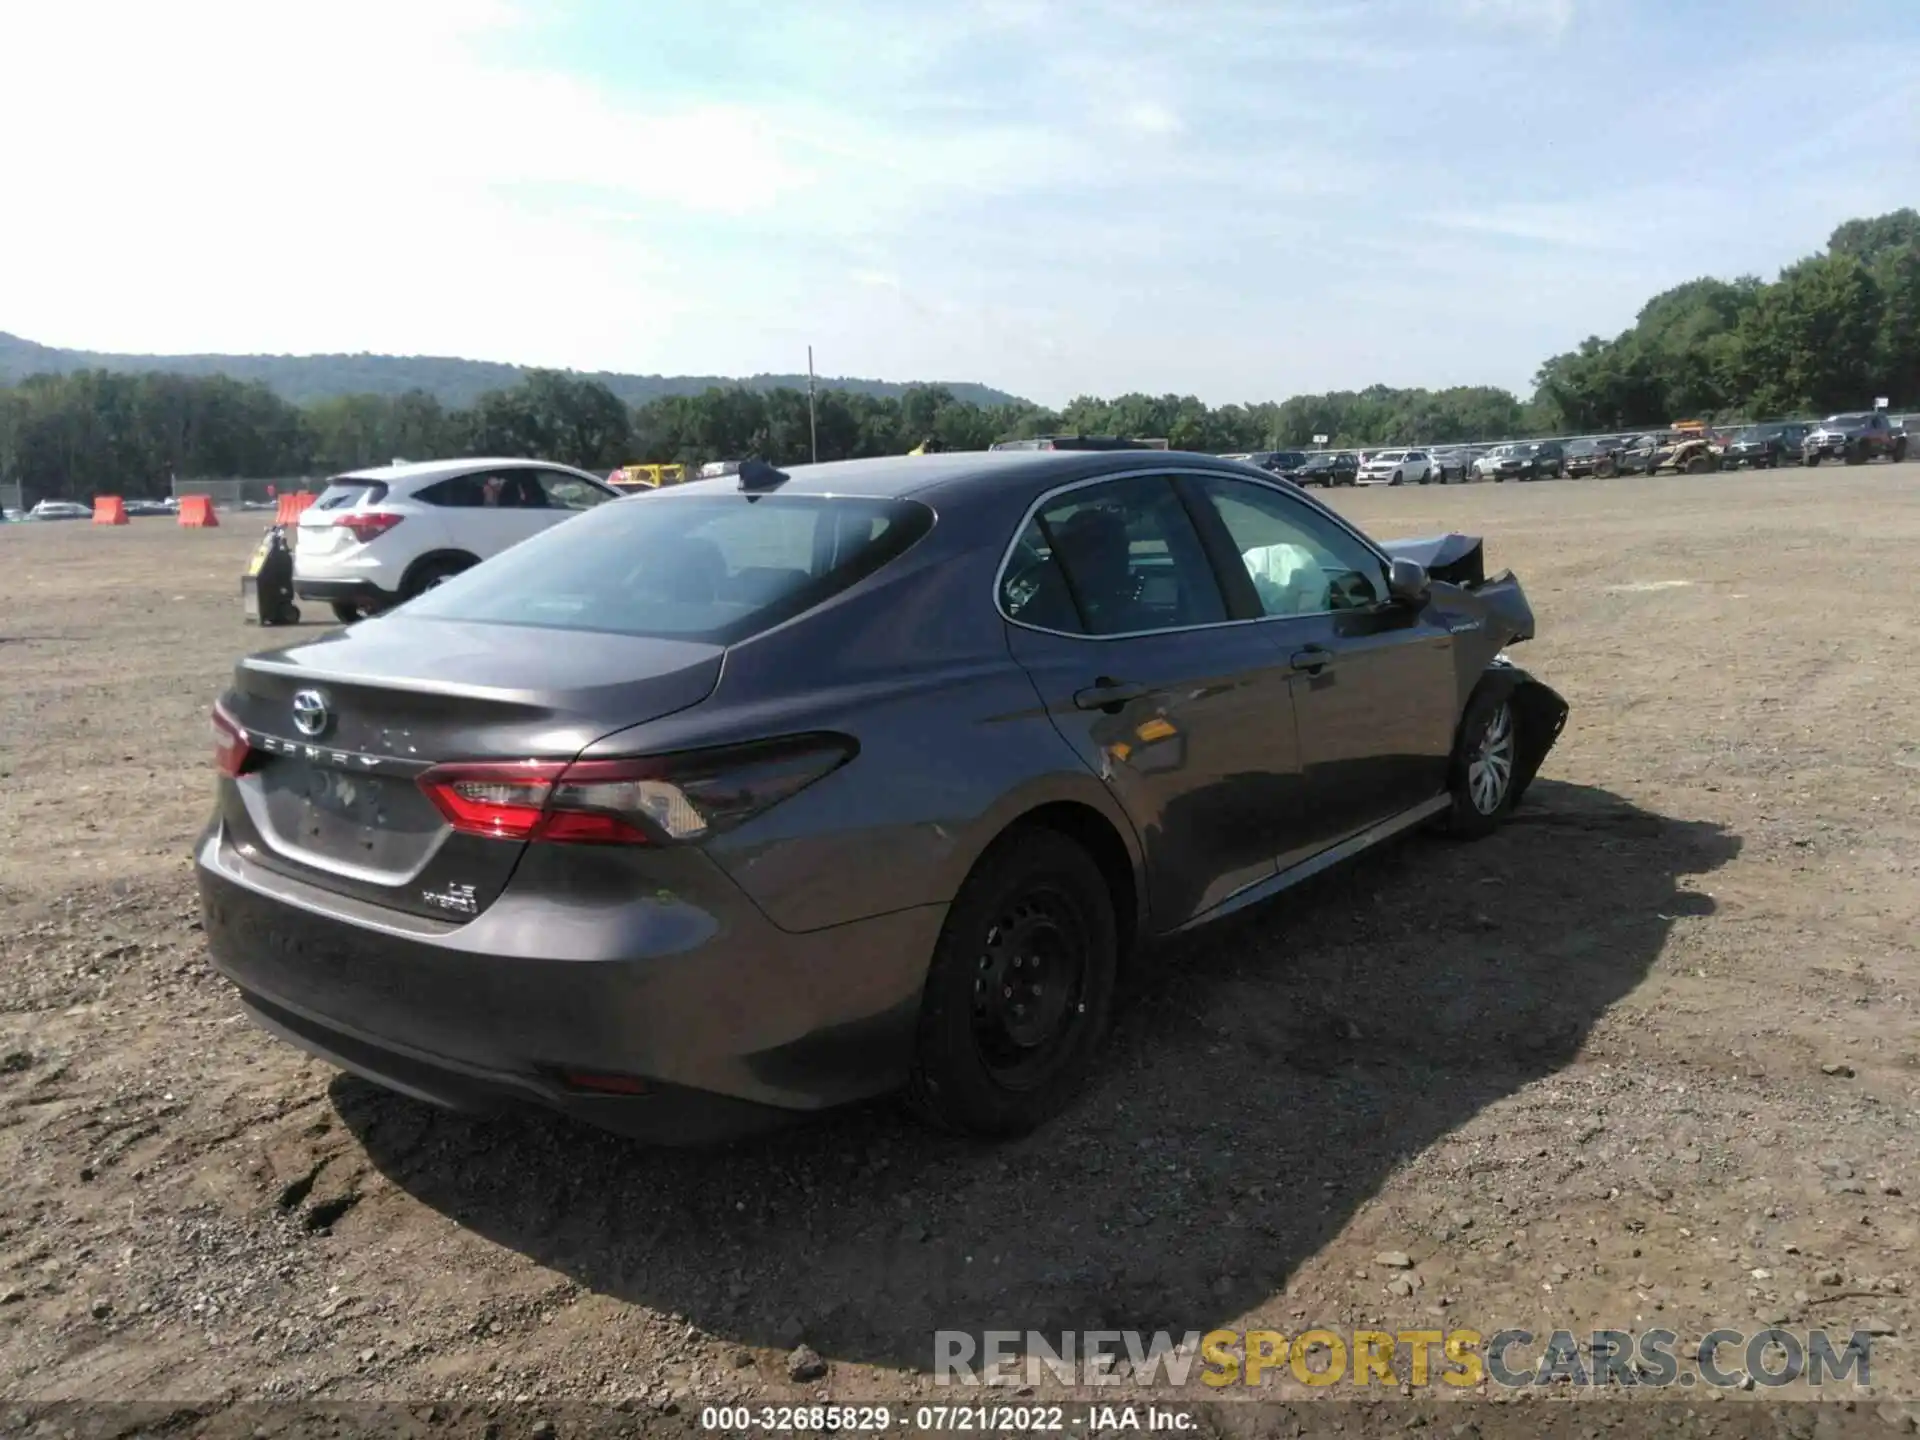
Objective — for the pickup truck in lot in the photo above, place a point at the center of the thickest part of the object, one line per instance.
(1855, 439)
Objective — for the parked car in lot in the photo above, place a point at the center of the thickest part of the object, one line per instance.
(736, 801)
(1279, 462)
(1521, 460)
(1636, 454)
(377, 537)
(60, 510)
(1597, 456)
(1764, 446)
(1328, 468)
(1459, 466)
(1396, 467)
(1855, 439)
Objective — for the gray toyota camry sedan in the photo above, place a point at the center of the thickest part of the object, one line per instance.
(780, 790)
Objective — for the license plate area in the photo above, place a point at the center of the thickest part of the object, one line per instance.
(341, 816)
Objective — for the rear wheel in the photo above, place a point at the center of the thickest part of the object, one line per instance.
(1855, 455)
(1019, 991)
(1899, 450)
(432, 573)
(1480, 775)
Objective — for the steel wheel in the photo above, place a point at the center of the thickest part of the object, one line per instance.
(1490, 771)
(1028, 988)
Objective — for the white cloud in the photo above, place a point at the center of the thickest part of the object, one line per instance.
(1549, 19)
(361, 174)
(1149, 117)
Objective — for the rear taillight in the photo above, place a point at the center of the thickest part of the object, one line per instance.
(232, 750)
(655, 799)
(368, 525)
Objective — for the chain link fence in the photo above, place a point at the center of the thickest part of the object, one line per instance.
(236, 494)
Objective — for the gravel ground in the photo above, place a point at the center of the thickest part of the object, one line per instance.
(1647, 1057)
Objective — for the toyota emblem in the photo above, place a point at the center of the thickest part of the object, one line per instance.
(310, 713)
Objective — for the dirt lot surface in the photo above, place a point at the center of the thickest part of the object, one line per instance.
(1649, 1057)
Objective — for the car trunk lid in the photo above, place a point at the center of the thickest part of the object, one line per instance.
(341, 729)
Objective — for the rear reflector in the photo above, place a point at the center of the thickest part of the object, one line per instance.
(603, 1084)
(368, 525)
(232, 750)
(655, 799)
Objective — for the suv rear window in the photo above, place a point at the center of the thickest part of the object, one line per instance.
(345, 494)
(711, 568)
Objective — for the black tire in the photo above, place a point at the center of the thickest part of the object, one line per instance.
(345, 612)
(1899, 451)
(1810, 459)
(1397, 478)
(430, 574)
(1855, 455)
(983, 1064)
(1474, 813)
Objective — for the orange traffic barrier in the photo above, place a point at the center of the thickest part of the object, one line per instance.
(109, 510)
(289, 507)
(196, 512)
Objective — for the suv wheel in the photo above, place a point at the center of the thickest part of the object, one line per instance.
(1899, 449)
(345, 612)
(1019, 991)
(432, 573)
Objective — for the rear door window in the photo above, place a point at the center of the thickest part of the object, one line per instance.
(1121, 558)
(570, 492)
(457, 492)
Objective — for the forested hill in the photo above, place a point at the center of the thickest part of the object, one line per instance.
(456, 384)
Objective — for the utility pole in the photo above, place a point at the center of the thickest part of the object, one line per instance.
(813, 429)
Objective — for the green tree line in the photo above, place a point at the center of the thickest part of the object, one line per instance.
(1832, 332)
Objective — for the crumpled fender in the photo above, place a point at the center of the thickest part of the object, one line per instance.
(1453, 558)
(1540, 710)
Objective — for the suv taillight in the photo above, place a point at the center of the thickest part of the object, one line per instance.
(650, 800)
(232, 749)
(368, 525)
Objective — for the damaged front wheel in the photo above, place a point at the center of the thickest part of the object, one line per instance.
(1480, 778)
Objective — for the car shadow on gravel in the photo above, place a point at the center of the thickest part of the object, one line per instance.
(1264, 1080)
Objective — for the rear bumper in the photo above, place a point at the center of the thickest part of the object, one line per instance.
(351, 592)
(720, 1020)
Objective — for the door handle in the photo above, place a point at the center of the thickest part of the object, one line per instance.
(1313, 659)
(1108, 695)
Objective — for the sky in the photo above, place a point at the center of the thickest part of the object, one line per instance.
(1226, 198)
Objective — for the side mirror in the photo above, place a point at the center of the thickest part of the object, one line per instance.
(1407, 581)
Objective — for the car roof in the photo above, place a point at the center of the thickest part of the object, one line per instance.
(408, 470)
(964, 474)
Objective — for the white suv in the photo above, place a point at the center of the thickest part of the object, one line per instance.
(1396, 467)
(376, 537)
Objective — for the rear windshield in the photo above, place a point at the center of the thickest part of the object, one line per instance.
(345, 494)
(712, 568)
